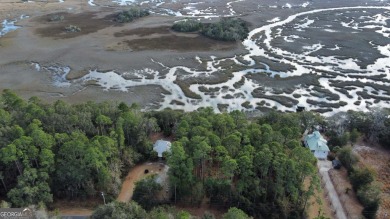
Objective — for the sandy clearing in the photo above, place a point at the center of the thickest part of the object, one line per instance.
(137, 173)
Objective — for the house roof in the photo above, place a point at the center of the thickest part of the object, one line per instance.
(161, 146)
(316, 142)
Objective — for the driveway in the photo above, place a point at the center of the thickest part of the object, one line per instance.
(324, 166)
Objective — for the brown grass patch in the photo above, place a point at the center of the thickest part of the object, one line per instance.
(87, 21)
(223, 107)
(161, 38)
(314, 208)
(76, 74)
(247, 105)
(286, 101)
(143, 31)
(378, 159)
(176, 102)
(76, 207)
(185, 87)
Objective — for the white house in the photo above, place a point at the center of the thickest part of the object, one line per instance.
(161, 146)
(317, 145)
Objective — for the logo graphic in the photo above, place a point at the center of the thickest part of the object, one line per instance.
(27, 212)
(16, 213)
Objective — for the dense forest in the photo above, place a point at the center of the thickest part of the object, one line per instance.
(62, 151)
(227, 29)
(187, 25)
(130, 15)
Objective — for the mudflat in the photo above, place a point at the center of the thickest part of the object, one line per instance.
(102, 44)
(327, 56)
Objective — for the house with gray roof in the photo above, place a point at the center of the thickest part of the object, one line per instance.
(161, 146)
(317, 145)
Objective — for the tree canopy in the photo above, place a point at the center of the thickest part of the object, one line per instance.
(65, 151)
(239, 163)
(227, 29)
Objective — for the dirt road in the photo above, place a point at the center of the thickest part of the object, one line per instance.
(137, 173)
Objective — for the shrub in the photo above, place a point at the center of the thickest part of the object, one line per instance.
(369, 196)
(56, 17)
(228, 29)
(160, 213)
(154, 155)
(72, 28)
(188, 25)
(130, 15)
(183, 215)
(347, 158)
(331, 156)
(145, 192)
(336, 149)
(354, 135)
(361, 178)
(235, 213)
(384, 140)
(369, 212)
(118, 209)
(208, 215)
(335, 139)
